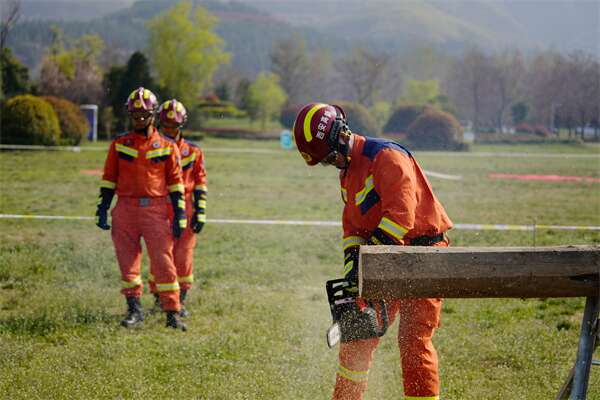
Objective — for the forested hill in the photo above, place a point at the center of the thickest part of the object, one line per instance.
(70, 10)
(563, 25)
(248, 32)
(249, 27)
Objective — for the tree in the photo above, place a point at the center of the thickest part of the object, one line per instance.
(420, 93)
(364, 72)
(290, 62)
(519, 112)
(11, 12)
(241, 94)
(507, 73)
(15, 76)
(185, 51)
(265, 97)
(75, 73)
(469, 84)
(543, 87)
(222, 91)
(120, 81)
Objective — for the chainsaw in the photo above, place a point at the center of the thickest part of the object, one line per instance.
(353, 317)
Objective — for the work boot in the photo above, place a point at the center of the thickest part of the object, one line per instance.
(135, 315)
(174, 322)
(183, 313)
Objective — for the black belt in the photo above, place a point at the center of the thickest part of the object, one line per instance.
(426, 240)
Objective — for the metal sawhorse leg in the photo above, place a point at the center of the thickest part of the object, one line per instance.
(577, 382)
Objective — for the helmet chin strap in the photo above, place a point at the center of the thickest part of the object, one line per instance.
(144, 130)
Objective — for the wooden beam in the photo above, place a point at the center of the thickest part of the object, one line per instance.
(468, 272)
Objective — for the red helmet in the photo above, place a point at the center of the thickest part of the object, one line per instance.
(173, 113)
(141, 100)
(316, 130)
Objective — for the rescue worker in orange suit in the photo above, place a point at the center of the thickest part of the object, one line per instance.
(172, 116)
(387, 201)
(143, 168)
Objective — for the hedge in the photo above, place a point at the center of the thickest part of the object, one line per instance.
(29, 120)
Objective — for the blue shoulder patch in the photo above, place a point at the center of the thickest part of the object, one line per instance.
(374, 145)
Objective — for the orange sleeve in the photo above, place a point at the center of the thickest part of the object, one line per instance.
(173, 171)
(199, 173)
(396, 183)
(353, 236)
(111, 168)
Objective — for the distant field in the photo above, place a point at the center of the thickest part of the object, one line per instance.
(259, 310)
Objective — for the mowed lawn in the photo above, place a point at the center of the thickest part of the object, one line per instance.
(258, 310)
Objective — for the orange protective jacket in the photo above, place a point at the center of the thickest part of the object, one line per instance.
(384, 188)
(192, 164)
(143, 166)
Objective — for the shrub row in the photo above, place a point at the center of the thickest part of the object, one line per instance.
(45, 121)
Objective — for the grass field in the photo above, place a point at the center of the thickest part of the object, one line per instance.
(259, 310)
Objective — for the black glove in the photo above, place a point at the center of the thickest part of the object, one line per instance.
(104, 200)
(199, 218)
(379, 237)
(198, 221)
(179, 218)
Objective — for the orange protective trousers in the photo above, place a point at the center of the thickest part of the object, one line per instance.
(418, 319)
(149, 218)
(183, 252)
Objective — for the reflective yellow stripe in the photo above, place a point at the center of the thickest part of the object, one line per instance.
(181, 204)
(308, 118)
(135, 282)
(348, 267)
(201, 203)
(355, 376)
(185, 279)
(183, 223)
(389, 226)
(350, 241)
(200, 187)
(362, 195)
(126, 150)
(187, 160)
(421, 397)
(201, 217)
(164, 151)
(107, 184)
(344, 195)
(167, 287)
(178, 187)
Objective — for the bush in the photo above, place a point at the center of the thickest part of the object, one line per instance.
(73, 124)
(29, 119)
(436, 130)
(288, 115)
(359, 119)
(538, 130)
(403, 117)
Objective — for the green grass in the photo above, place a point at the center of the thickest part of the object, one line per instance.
(258, 309)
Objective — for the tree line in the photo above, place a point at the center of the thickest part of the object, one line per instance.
(185, 58)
